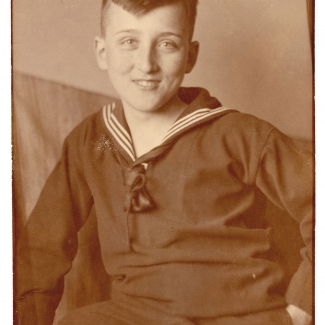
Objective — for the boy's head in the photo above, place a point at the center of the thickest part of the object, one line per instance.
(141, 7)
(146, 49)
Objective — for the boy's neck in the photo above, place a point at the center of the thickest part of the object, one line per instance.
(166, 113)
(149, 128)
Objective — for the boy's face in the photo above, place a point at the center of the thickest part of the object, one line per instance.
(146, 56)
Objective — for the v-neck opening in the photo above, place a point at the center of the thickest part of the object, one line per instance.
(191, 116)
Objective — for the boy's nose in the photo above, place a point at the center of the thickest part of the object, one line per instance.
(147, 60)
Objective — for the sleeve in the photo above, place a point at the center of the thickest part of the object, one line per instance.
(49, 242)
(285, 175)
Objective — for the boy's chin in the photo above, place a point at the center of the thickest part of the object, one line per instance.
(144, 108)
(145, 105)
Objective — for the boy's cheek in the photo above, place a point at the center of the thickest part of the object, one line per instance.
(119, 65)
(175, 63)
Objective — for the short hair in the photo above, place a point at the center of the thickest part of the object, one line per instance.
(141, 7)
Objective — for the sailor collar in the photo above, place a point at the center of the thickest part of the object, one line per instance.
(191, 117)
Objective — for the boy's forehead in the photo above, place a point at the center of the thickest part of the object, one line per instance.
(139, 10)
(170, 11)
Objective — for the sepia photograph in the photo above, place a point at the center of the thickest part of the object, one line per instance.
(163, 157)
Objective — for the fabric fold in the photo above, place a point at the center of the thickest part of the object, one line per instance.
(137, 198)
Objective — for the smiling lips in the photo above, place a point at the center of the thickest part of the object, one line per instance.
(147, 84)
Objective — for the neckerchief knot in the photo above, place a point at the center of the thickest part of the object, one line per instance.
(137, 198)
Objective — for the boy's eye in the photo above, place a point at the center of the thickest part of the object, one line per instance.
(168, 45)
(129, 43)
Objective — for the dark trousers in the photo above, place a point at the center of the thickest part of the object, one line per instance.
(134, 312)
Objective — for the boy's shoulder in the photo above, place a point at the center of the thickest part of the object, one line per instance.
(242, 124)
(91, 124)
(231, 120)
(88, 131)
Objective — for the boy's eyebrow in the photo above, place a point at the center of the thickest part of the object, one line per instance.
(135, 31)
(171, 34)
(132, 31)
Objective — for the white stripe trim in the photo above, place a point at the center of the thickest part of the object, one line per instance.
(120, 136)
(198, 111)
(123, 141)
(187, 119)
(191, 119)
(126, 138)
(127, 146)
(121, 128)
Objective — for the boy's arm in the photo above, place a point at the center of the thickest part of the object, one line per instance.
(285, 175)
(48, 243)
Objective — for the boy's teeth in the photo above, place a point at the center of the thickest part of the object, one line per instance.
(146, 83)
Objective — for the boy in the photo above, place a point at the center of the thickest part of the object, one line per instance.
(179, 185)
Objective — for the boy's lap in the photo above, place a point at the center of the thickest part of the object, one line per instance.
(120, 312)
(87, 317)
(123, 312)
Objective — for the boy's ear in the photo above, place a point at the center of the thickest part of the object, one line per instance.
(192, 56)
(100, 52)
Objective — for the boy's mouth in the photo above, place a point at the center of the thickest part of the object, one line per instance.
(146, 84)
